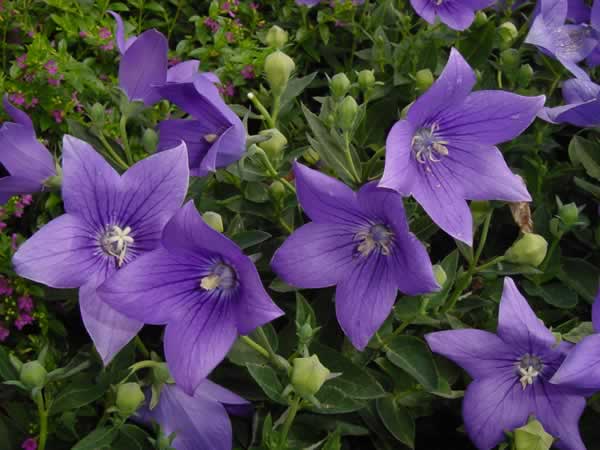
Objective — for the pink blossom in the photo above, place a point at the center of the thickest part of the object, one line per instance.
(212, 24)
(55, 81)
(58, 115)
(4, 333)
(83, 34)
(77, 104)
(108, 47)
(25, 302)
(22, 61)
(2, 226)
(104, 33)
(28, 77)
(253, 5)
(23, 320)
(248, 72)
(5, 287)
(31, 33)
(18, 210)
(230, 37)
(27, 199)
(51, 66)
(33, 103)
(17, 98)
(227, 89)
(29, 444)
(13, 242)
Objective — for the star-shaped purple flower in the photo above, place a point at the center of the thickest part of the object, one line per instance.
(110, 220)
(27, 161)
(201, 421)
(511, 373)
(215, 136)
(456, 14)
(567, 43)
(445, 151)
(581, 368)
(199, 284)
(359, 242)
(582, 107)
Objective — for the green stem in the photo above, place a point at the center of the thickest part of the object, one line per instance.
(275, 109)
(484, 234)
(289, 185)
(256, 346)
(403, 326)
(551, 251)
(125, 139)
(43, 414)
(490, 263)
(175, 18)
(111, 152)
(289, 420)
(142, 347)
(262, 110)
(349, 159)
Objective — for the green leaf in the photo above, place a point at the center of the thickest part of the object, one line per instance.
(581, 276)
(333, 442)
(581, 331)
(585, 152)
(76, 395)
(131, 438)
(267, 379)
(7, 371)
(99, 439)
(295, 87)
(304, 312)
(588, 187)
(397, 420)
(414, 357)
(250, 238)
(478, 44)
(555, 294)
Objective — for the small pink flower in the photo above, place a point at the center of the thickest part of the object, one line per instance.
(227, 89)
(18, 211)
(51, 66)
(248, 72)
(17, 98)
(28, 77)
(25, 302)
(2, 226)
(23, 320)
(58, 115)
(230, 37)
(31, 33)
(103, 77)
(27, 198)
(253, 5)
(5, 287)
(108, 47)
(22, 61)
(212, 24)
(83, 34)
(33, 103)
(29, 444)
(55, 81)
(4, 333)
(104, 33)
(13, 242)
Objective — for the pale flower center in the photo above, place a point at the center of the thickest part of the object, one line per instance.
(221, 276)
(116, 241)
(529, 367)
(376, 238)
(427, 145)
(211, 137)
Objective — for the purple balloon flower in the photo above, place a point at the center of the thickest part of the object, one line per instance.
(110, 220)
(200, 422)
(582, 108)
(567, 43)
(359, 242)
(201, 285)
(215, 137)
(27, 161)
(511, 371)
(445, 151)
(456, 14)
(581, 368)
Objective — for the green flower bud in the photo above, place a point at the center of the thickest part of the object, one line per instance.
(510, 59)
(308, 375)
(305, 332)
(404, 111)
(481, 19)
(339, 85)
(525, 75)
(33, 375)
(555, 227)
(346, 114)
(160, 373)
(277, 189)
(278, 68)
(569, 214)
(530, 249)
(276, 37)
(532, 436)
(213, 220)
(507, 33)
(440, 274)
(366, 79)
(98, 115)
(311, 156)
(129, 398)
(423, 80)
(276, 142)
(149, 140)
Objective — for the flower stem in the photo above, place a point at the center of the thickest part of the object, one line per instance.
(256, 346)
(490, 263)
(349, 159)
(125, 139)
(111, 152)
(275, 109)
(289, 420)
(262, 110)
(43, 414)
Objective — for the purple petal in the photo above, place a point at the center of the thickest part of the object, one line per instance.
(443, 201)
(200, 422)
(90, 185)
(234, 404)
(596, 313)
(325, 199)
(195, 345)
(183, 72)
(229, 148)
(518, 325)
(581, 368)
(456, 15)
(62, 254)
(122, 44)
(316, 255)
(10, 186)
(495, 404)
(143, 66)
(399, 168)
(581, 115)
(578, 11)
(595, 15)
(481, 173)
(17, 115)
(23, 155)
(192, 132)
(451, 88)
(489, 117)
(425, 9)
(364, 299)
(480, 353)
(559, 412)
(580, 91)
(110, 330)
(204, 104)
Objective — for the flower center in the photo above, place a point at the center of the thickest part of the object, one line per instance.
(221, 276)
(529, 367)
(377, 237)
(211, 137)
(427, 145)
(116, 241)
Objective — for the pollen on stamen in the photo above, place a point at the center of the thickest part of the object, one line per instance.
(427, 145)
(210, 282)
(116, 241)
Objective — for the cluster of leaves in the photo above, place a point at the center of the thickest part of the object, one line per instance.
(396, 393)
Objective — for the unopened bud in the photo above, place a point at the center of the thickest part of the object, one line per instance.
(366, 79)
(311, 156)
(510, 59)
(339, 85)
(480, 19)
(305, 332)
(129, 398)
(149, 140)
(440, 274)
(530, 249)
(346, 113)
(213, 220)
(97, 114)
(423, 80)
(33, 375)
(525, 75)
(277, 189)
(532, 436)
(160, 373)
(275, 144)
(569, 214)
(276, 37)
(507, 33)
(278, 68)
(308, 375)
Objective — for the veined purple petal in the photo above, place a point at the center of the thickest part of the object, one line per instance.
(144, 66)
(205, 105)
(425, 9)
(62, 254)
(581, 368)
(480, 353)
(23, 155)
(578, 11)
(451, 88)
(233, 403)
(457, 15)
(122, 43)
(183, 72)
(596, 313)
(325, 199)
(576, 90)
(173, 131)
(316, 255)
(518, 325)
(364, 299)
(595, 15)
(399, 168)
(110, 330)
(16, 114)
(579, 114)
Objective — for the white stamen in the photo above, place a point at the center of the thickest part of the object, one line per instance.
(376, 237)
(427, 146)
(116, 241)
(210, 282)
(527, 376)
